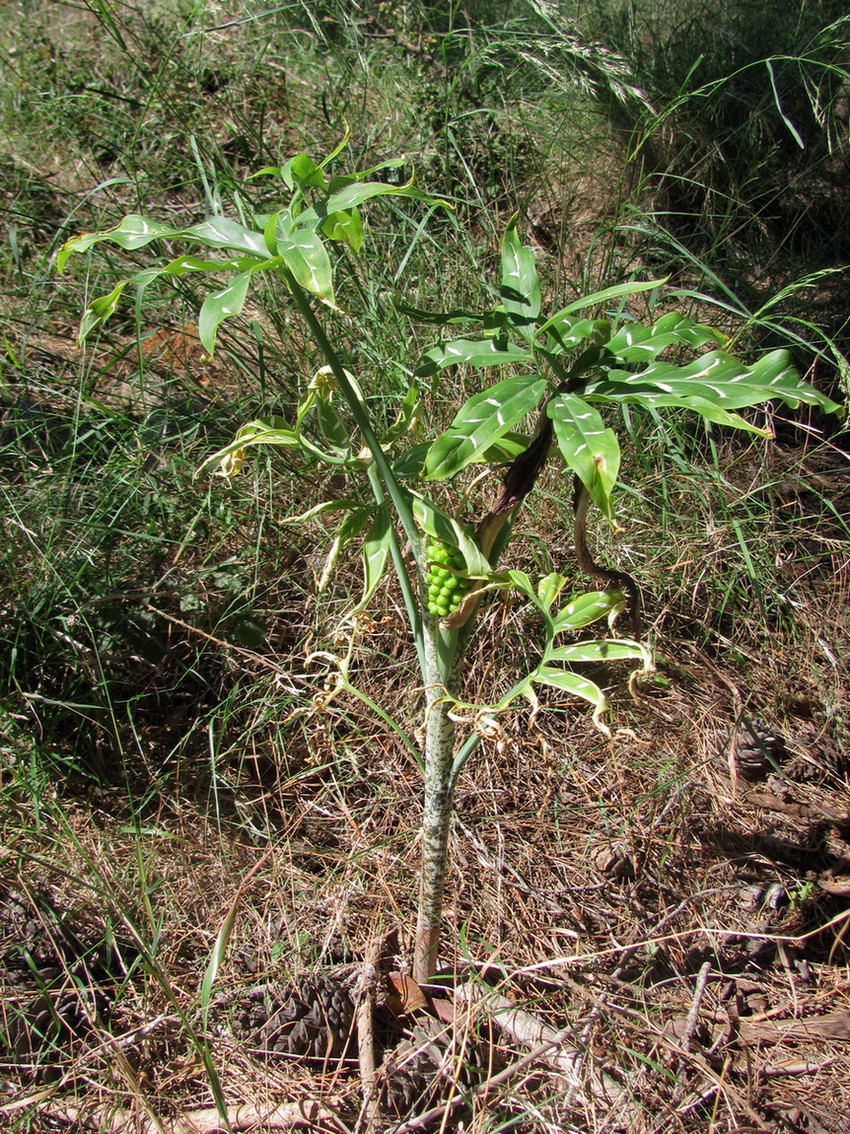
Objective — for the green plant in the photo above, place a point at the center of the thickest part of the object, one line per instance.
(561, 369)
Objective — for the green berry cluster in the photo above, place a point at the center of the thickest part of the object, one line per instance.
(445, 589)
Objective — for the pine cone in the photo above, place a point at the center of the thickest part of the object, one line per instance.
(758, 749)
(411, 1079)
(316, 1020)
(423, 1068)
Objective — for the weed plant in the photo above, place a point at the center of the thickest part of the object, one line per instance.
(160, 725)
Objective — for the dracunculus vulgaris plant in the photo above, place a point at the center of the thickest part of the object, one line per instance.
(557, 371)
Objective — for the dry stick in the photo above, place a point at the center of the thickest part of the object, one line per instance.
(693, 1014)
(366, 997)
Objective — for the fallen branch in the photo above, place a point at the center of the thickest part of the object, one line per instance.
(366, 996)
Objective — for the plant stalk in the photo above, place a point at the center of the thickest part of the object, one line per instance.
(443, 659)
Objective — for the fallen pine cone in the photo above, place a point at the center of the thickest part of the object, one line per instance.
(758, 749)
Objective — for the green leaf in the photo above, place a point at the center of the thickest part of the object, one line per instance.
(136, 231)
(351, 196)
(351, 527)
(376, 550)
(792, 129)
(505, 449)
(346, 226)
(407, 417)
(483, 421)
(568, 332)
(221, 232)
(259, 432)
(446, 528)
(330, 423)
(549, 587)
(522, 582)
(474, 352)
(587, 608)
(588, 447)
(716, 380)
(411, 463)
(520, 285)
(306, 257)
(220, 305)
(99, 310)
(601, 650)
(441, 318)
(355, 193)
(634, 342)
(597, 297)
(362, 174)
(344, 504)
(217, 956)
(133, 232)
(303, 172)
(573, 685)
(183, 265)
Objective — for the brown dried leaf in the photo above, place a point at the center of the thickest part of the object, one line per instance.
(405, 996)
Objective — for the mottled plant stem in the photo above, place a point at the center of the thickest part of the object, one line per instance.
(443, 659)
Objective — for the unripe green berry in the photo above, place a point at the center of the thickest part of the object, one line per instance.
(445, 588)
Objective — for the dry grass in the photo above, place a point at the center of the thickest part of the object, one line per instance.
(689, 934)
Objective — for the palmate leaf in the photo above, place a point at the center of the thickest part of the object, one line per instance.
(474, 352)
(302, 251)
(483, 421)
(520, 285)
(136, 231)
(589, 448)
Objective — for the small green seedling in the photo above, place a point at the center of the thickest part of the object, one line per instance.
(559, 370)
